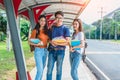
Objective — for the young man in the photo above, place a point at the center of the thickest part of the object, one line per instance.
(57, 50)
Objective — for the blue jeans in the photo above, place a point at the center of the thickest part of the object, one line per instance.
(58, 56)
(40, 55)
(75, 58)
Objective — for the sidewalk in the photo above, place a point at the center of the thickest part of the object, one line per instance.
(83, 72)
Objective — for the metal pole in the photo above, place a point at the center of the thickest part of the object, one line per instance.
(115, 33)
(16, 41)
(115, 30)
(109, 35)
(89, 34)
(18, 24)
(8, 38)
(32, 21)
(95, 33)
(101, 23)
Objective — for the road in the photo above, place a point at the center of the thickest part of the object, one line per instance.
(105, 57)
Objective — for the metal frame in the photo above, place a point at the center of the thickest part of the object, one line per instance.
(27, 7)
(32, 20)
(35, 1)
(61, 2)
(63, 12)
(16, 41)
(81, 9)
(67, 22)
(71, 3)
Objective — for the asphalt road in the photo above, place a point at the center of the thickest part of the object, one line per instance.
(106, 58)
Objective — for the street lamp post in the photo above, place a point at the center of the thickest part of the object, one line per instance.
(115, 30)
(89, 32)
(115, 33)
(101, 29)
(101, 24)
(95, 32)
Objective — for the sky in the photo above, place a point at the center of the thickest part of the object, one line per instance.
(92, 12)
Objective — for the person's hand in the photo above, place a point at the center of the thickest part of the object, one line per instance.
(72, 49)
(53, 43)
(40, 44)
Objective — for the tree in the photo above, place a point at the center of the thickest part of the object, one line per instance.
(86, 29)
(3, 24)
(107, 28)
(3, 27)
(97, 24)
(24, 27)
(116, 19)
(116, 16)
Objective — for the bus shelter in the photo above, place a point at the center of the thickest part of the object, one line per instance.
(31, 9)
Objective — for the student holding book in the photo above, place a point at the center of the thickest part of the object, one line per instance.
(59, 39)
(40, 53)
(76, 49)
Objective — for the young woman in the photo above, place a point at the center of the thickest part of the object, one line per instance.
(40, 53)
(76, 55)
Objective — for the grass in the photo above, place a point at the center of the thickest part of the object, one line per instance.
(116, 41)
(7, 61)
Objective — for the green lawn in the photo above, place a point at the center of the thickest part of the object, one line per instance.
(7, 61)
(116, 41)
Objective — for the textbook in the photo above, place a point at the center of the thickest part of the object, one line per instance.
(35, 41)
(60, 39)
(75, 43)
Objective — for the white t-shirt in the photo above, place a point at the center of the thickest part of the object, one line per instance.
(79, 36)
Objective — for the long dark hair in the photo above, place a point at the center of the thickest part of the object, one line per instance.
(37, 27)
(80, 25)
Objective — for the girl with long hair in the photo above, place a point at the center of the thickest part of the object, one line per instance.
(40, 53)
(76, 51)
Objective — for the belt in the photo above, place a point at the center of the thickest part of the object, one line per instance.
(57, 49)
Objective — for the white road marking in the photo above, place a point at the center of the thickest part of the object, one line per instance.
(98, 52)
(107, 78)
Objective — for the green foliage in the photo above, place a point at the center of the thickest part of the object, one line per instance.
(7, 60)
(86, 29)
(3, 24)
(24, 26)
(116, 16)
(116, 41)
(108, 26)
